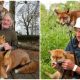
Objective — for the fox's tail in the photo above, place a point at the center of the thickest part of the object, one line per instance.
(32, 67)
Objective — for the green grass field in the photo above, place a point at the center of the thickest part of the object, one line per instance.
(52, 36)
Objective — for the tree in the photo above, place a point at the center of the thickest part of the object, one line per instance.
(12, 11)
(28, 15)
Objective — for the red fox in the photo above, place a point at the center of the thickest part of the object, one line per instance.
(29, 68)
(2, 39)
(57, 57)
(3, 73)
(14, 58)
(67, 17)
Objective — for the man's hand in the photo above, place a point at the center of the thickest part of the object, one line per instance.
(7, 46)
(68, 64)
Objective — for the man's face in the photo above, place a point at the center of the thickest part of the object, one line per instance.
(6, 22)
(77, 31)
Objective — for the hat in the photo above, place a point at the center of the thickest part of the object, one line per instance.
(77, 25)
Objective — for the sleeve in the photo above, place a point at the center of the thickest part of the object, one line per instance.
(14, 41)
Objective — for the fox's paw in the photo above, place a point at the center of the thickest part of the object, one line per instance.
(16, 71)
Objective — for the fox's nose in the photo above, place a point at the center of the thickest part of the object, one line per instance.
(53, 64)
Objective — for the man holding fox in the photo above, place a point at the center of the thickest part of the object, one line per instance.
(12, 56)
(74, 46)
(9, 34)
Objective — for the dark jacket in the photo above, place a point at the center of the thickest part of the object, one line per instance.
(10, 37)
(73, 47)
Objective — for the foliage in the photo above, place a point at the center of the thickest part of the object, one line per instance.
(52, 36)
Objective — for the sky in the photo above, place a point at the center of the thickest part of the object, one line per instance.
(47, 3)
(6, 5)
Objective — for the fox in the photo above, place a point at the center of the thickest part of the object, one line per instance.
(3, 73)
(57, 58)
(20, 57)
(32, 67)
(16, 57)
(67, 17)
(2, 39)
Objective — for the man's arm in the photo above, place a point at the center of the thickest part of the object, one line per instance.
(78, 70)
(69, 65)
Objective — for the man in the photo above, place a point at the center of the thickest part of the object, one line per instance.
(74, 46)
(8, 33)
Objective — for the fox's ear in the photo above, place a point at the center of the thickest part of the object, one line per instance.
(8, 54)
(65, 54)
(56, 11)
(67, 11)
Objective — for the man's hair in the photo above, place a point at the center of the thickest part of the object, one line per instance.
(9, 14)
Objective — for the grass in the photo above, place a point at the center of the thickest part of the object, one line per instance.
(53, 36)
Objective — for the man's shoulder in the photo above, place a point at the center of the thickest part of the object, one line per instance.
(74, 40)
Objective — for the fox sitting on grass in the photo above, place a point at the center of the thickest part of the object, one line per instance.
(57, 58)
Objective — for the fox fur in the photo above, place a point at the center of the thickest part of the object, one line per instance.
(14, 58)
(29, 68)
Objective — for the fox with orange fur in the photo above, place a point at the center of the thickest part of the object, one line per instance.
(20, 57)
(16, 57)
(12, 58)
(67, 17)
(58, 56)
(32, 67)
(3, 73)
